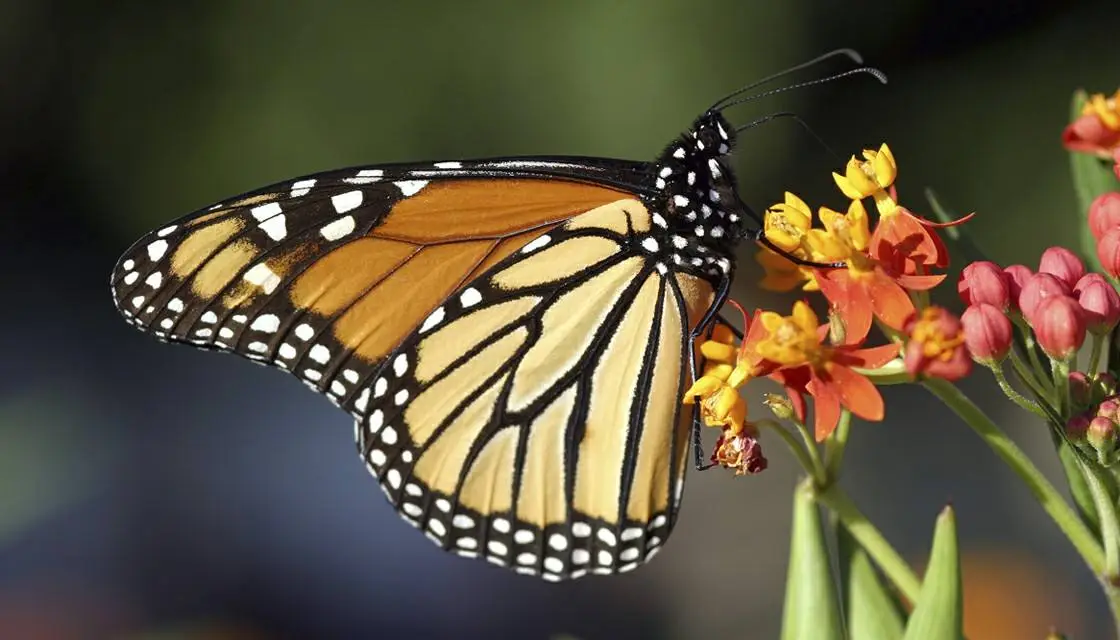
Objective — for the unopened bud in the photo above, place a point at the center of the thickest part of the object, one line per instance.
(1108, 408)
(779, 405)
(1101, 434)
(1080, 389)
(1106, 383)
(1077, 426)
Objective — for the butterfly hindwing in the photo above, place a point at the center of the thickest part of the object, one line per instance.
(534, 418)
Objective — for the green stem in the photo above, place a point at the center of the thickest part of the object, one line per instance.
(1095, 354)
(881, 552)
(1110, 529)
(1047, 496)
(811, 466)
(1010, 392)
(818, 470)
(834, 448)
(1030, 379)
(1032, 352)
(1060, 369)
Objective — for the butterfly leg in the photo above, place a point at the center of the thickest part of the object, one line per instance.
(705, 326)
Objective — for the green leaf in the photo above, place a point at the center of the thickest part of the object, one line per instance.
(872, 612)
(812, 609)
(939, 612)
(1078, 488)
(1092, 176)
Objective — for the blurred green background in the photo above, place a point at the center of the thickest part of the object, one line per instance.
(156, 492)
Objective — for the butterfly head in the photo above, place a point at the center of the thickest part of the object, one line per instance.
(703, 211)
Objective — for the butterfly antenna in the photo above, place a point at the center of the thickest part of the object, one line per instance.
(851, 54)
(871, 71)
(798, 120)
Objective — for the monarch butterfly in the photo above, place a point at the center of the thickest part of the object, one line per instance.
(512, 336)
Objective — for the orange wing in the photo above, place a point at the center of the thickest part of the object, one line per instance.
(305, 275)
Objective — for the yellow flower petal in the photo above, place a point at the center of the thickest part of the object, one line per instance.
(718, 351)
(739, 376)
(721, 371)
(704, 387)
(884, 166)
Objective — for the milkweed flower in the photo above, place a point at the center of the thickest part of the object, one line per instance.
(881, 267)
(727, 368)
(1097, 130)
(1108, 252)
(791, 351)
(870, 177)
(936, 345)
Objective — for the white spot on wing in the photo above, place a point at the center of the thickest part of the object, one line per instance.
(275, 227)
(157, 249)
(411, 187)
(400, 365)
(302, 187)
(209, 317)
(286, 351)
(362, 400)
(348, 201)
(304, 331)
(268, 323)
(128, 264)
(338, 229)
(435, 318)
(319, 354)
(266, 211)
(536, 244)
(154, 280)
(448, 165)
(260, 275)
(175, 305)
(366, 176)
(166, 231)
(470, 297)
(131, 277)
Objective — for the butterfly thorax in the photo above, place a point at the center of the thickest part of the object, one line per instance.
(703, 212)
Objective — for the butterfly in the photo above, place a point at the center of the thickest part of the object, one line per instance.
(512, 336)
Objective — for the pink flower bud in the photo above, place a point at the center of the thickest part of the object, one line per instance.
(1080, 389)
(1077, 426)
(1100, 302)
(1085, 280)
(1108, 408)
(1059, 325)
(1017, 276)
(1039, 287)
(987, 333)
(984, 282)
(1104, 214)
(1108, 252)
(1106, 382)
(1062, 264)
(1101, 433)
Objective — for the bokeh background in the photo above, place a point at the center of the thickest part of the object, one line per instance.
(149, 491)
